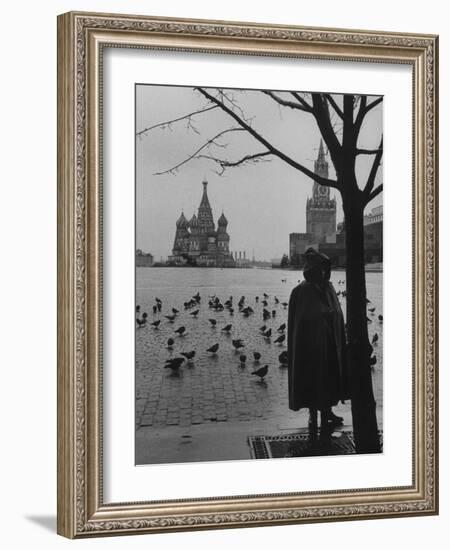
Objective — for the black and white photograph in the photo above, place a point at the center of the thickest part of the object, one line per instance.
(258, 274)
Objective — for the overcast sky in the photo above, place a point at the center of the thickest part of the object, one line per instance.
(263, 202)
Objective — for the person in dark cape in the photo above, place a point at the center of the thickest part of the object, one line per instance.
(317, 368)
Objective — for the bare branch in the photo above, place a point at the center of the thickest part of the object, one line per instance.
(368, 151)
(375, 192)
(224, 164)
(195, 154)
(230, 98)
(321, 113)
(335, 106)
(363, 110)
(374, 103)
(361, 114)
(169, 122)
(284, 102)
(268, 145)
(307, 107)
(373, 171)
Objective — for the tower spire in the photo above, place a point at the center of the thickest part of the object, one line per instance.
(321, 155)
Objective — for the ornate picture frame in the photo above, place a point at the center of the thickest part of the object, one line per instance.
(82, 510)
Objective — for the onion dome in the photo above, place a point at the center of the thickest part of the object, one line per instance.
(182, 221)
(222, 220)
(193, 221)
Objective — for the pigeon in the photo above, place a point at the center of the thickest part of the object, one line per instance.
(175, 311)
(274, 312)
(243, 359)
(264, 303)
(141, 322)
(373, 360)
(283, 357)
(282, 327)
(171, 318)
(368, 301)
(156, 323)
(375, 338)
(213, 349)
(284, 304)
(194, 313)
(268, 333)
(138, 309)
(181, 331)
(266, 295)
(170, 342)
(227, 328)
(155, 309)
(213, 322)
(188, 354)
(263, 328)
(277, 301)
(368, 320)
(256, 355)
(237, 344)
(174, 363)
(371, 309)
(262, 372)
(380, 318)
(280, 339)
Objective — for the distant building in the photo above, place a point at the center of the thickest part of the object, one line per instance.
(197, 242)
(298, 243)
(143, 259)
(241, 260)
(375, 216)
(373, 235)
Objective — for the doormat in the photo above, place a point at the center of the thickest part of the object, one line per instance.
(300, 444)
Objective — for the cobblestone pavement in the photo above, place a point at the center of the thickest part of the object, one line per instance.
(219, 388)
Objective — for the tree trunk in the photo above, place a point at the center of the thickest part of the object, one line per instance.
(359, 349)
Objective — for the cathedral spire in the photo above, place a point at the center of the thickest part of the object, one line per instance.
(205, 216)
(205, 201)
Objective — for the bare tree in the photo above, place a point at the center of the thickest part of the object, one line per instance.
(340, 124)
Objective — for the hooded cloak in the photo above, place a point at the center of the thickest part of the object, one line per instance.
(317, 369)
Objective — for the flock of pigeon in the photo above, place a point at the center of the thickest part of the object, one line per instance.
(192, 308)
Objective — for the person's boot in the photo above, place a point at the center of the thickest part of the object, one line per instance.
(337, 420)
(312, 423)
(328, 420)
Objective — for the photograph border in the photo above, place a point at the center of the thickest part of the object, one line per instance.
(81, 39)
